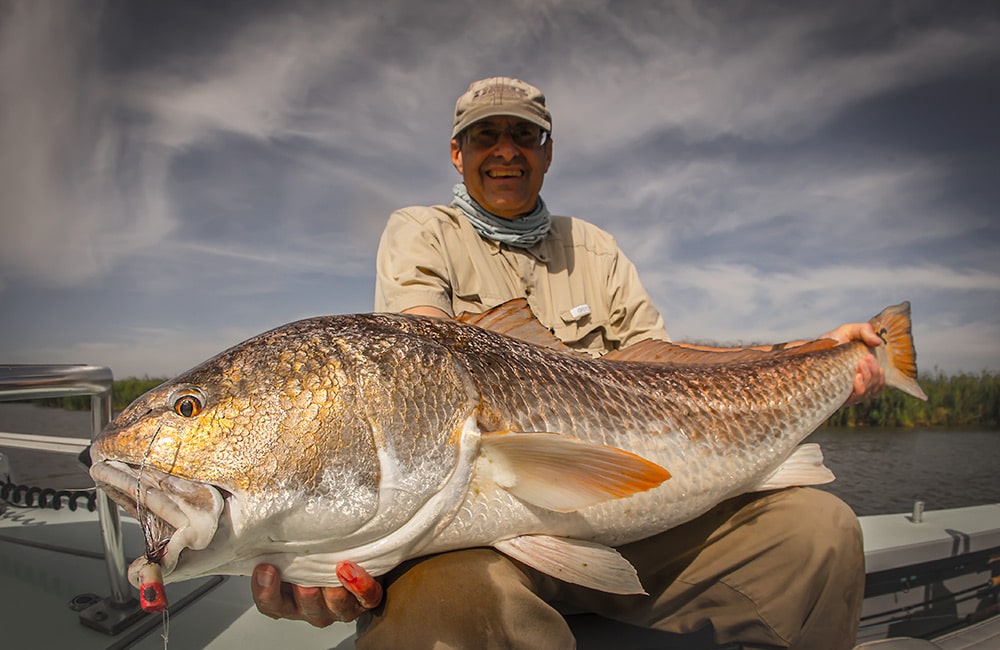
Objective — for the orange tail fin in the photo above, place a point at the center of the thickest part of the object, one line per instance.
(898, 356)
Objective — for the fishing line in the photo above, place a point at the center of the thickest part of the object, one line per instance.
(152, 595)
(155, 547)
(165, 635)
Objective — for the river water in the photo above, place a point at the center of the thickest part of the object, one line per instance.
(878, 470)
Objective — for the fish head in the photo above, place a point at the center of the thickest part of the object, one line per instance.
(253, 447)
(322, 436)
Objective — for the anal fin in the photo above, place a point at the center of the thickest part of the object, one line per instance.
(576, 561)
(804, 467)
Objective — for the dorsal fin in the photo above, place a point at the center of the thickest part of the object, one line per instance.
(514, 318)
(655, 351)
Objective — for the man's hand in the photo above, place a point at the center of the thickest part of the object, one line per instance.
(869, 379)
(319, 606)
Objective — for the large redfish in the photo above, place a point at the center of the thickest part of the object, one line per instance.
(377, 438)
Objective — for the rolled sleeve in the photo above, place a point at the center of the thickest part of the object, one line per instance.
(411, 267)
(633, 315)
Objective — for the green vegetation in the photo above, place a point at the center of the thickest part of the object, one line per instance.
(952, 401)
(122, 394)
(955, 400)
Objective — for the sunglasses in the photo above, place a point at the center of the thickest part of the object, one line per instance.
(527, 136)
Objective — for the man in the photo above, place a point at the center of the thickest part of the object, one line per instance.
(779, 569)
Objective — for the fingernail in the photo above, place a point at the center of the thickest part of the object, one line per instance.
(264, 578)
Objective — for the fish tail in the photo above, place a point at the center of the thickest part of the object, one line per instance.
(898, 356)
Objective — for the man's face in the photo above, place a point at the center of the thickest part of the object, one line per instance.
(504, 176)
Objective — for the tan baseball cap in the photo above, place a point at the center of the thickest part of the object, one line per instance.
(501, 96)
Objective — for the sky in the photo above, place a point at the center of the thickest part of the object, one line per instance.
(176, 177)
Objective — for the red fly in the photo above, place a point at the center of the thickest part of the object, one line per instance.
(152, 596)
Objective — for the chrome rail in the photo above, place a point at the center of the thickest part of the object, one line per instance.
(20, 382)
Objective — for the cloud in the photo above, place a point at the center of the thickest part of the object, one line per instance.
(770, 168)
(256, 84)
(757, 74)
(72, 190)
(98, 152)
(167, 352)
(730, 304)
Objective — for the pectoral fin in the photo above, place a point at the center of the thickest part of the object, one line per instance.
(565, 474)
(804, 467)
(572, 560)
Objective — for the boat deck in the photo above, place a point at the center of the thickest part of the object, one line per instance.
(927, 573)
(52, 569)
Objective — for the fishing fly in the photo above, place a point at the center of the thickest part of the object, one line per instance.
(152, 595)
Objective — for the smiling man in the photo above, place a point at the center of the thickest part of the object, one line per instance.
(782, 569)
(497, 240)
(508, 176)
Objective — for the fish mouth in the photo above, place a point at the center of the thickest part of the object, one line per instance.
(174, 513)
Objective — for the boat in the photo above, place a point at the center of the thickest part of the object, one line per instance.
(933, 576)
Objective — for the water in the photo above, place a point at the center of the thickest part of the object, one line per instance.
(878, 470)
(886, 470)
(44, 469)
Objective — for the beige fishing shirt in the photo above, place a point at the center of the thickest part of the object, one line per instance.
(578, 282)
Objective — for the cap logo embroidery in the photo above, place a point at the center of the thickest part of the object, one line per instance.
(500, 90)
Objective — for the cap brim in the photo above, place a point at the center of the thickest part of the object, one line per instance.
(482, 112)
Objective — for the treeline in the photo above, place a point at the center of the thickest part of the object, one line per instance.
(952, 401)
(122, 394)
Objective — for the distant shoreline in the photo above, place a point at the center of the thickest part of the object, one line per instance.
(962, 400)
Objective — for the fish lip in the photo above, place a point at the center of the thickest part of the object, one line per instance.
(189, 511)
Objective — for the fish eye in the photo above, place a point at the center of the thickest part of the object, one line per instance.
(188, 405)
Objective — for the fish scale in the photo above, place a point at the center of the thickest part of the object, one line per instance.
(376, 438)
(727, 412)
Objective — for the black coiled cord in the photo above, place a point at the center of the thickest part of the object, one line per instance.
(36, 497)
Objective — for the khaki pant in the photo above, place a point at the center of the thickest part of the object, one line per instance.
(782, 569)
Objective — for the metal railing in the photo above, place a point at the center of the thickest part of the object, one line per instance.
(20, 382)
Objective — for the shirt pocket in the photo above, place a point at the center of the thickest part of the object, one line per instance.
(583, 331)
(475, 302)
(473, 290)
